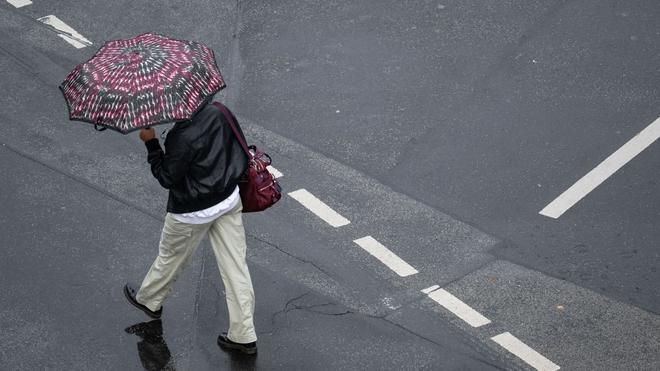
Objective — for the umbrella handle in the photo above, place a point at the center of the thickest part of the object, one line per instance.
(99, 128)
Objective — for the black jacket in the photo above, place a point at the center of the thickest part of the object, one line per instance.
(202, 162)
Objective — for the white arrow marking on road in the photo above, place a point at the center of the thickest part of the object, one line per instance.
(19, 3)
(319, 208)
(67, 33)
(460, 309)
(387, 257)
(603, 171)
(524, 352)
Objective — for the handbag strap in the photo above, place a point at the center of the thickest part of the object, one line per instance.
(232, 124)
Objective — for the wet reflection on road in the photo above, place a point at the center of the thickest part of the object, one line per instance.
(155, 355)
(152, 349)
(242, 362)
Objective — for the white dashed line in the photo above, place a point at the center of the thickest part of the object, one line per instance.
(603, 171)
(19, 3)
(430, 289)
(386, 256)
(67, 33)
(317, 206)
(276, 173)
(524, 352)
(460, 309)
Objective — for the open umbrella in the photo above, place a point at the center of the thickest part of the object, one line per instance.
(144, 81)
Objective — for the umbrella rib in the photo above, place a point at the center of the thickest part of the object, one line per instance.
(132, 91)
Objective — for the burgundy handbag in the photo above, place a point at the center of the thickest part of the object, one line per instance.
(258, 189)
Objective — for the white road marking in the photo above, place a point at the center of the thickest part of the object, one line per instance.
(524, 352)
(276, 173)
(460, 309)
(317, 206)
(603, 171)
(430, 289)
(67, 33)
(19, 3)
(386, 256)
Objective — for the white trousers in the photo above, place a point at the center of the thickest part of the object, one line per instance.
(179, 241)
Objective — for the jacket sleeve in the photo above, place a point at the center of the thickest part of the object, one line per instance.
(168, 167)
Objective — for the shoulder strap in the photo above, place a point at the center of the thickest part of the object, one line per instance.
(229, 118)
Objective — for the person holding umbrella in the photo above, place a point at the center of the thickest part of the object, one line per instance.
(136, 83)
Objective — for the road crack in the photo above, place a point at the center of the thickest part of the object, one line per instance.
(291, 255)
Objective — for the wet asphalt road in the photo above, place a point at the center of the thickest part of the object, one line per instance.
(82, 215)
(484, 111)
(439, 128)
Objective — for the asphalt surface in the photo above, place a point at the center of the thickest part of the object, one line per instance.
(69, 248)
(486, 111)
(440, 129)
(82, 216)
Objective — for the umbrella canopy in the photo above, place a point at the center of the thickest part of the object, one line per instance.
(147, 80)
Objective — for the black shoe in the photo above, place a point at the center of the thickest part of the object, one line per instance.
(248, 348)
(129, 292)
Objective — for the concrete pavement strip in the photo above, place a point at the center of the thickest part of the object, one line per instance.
(573, 326)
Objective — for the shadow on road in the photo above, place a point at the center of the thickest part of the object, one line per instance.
(156, 356)
(152, 348)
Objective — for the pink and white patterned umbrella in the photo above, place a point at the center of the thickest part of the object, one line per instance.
(144, 81)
